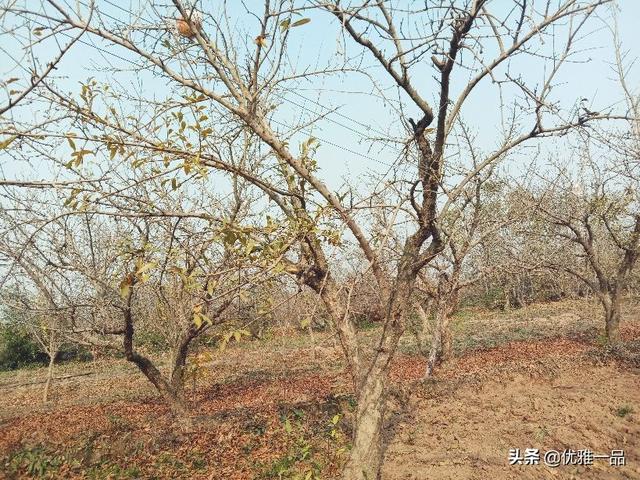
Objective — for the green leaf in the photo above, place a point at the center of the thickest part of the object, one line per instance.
(302, 21)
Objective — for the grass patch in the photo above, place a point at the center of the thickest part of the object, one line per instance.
(624, 410)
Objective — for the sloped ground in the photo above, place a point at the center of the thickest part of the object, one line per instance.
(276, 409)
(549, 396)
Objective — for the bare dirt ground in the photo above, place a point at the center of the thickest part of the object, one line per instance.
(550, 396)
(532, 378)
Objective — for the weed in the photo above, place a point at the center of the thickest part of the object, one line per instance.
(541, 433)
(111, 470)
(35, 462)
(623, 410)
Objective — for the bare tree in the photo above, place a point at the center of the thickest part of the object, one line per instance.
(592, 209)
(594, 226)
(241, 76)
(107, 268)
(473, 225)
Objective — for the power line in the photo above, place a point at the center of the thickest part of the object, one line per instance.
(368, 127)
(331, 111)
(328, 142)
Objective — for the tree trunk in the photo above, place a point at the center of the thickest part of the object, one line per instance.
(167, 390)
(437, 339)
(612, 318)
(172, 398)
(365, 457)
(450, 306)
(446, 335)
(47, 386)
(423, 327)
(179, 363)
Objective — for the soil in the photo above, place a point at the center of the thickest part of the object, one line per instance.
(281, 409)
(464, 429)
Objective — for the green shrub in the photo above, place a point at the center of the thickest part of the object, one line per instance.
(72, 351)
(624, 410)
(17, 349)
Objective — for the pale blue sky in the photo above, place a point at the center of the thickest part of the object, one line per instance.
(358, 109)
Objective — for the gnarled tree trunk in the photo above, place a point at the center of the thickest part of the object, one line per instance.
(442, 338)
(365, 458)
(171, 391)
(612, 314)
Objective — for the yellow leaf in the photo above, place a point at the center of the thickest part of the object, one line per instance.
(211, 286)
(125, 288)
(302, 21)
(285, 24)
(4, 144)
(146, 267)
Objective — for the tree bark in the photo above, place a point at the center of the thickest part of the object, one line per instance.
(47, 386)
(365, 458)
(612, 317)
(447, 336)
(173, 398)
(167, 390)
(435, 353)
(423, 327)
(442, 338)
(179, 363)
